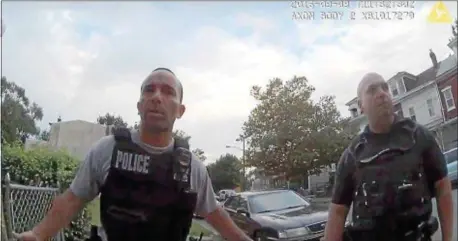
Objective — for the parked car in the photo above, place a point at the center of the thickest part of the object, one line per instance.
(451, 155)
(217, 203)
(225, 193)
(276, 215)
(452, 172)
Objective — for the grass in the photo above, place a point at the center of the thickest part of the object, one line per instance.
(94, 212)
(197, 229)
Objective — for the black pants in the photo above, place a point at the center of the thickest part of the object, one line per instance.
(368, 236)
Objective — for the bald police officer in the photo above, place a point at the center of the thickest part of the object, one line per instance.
(389, 173)
(150, 184)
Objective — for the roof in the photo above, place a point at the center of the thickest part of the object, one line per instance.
(446, 65)
(351, 101)
(253, 193)
(425, 76)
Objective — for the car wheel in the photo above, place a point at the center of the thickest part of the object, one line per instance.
(260, 236)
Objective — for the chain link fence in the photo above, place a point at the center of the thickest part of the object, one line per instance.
(25, 206)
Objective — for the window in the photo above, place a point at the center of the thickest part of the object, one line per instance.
(448, 97)
(243, 204)
(232, 202)
(394, 89)
(275, 201)
(354, 112)
(397, 87)
(431, 111)
(401, 86)
(412, 114)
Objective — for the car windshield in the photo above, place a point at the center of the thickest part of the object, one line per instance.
(452, 167)
(451, 156)
(275, 201)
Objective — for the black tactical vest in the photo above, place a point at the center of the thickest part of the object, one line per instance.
(147, 197)
(391, 191)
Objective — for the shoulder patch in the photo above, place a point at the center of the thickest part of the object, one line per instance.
(180, 142)
(357, 143)
(122, 134)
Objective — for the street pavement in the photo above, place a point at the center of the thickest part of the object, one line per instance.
(437, 236)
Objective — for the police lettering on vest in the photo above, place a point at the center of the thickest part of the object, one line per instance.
(147, 196)
(132, 162)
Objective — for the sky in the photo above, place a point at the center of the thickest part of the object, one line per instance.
(80, 60)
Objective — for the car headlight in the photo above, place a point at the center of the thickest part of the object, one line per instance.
(294, 232)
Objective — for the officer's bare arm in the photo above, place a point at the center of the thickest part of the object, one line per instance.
(436, 171)
(445, 208)
(222, 222)
(63, 209)
(336, 222)
(341, 198)
(85, 187)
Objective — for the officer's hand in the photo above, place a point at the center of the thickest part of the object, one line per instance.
(26, 236)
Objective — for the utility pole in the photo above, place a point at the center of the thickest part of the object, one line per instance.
(242, 179)
(243, 149)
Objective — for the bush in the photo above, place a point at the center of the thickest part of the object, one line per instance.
(51, 167)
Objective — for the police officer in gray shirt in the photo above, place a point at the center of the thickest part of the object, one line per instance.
(389, 173)
(116, 160)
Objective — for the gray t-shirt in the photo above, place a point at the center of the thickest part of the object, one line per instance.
(94, 170)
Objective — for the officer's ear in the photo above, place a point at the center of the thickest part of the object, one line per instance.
(360, 106)
(139, 107)
(181, 110)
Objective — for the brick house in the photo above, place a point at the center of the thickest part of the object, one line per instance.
(447, 84)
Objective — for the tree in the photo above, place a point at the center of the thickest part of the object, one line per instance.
(109, 119)
(225, 172)
(290, 134)
(44, 135)
(43, 167)
(181, 134)
(18, 113)
(200, 154)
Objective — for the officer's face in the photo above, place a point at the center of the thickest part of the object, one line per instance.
(376, 98)
(160, 103)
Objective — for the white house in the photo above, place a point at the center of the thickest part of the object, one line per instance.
(423, 105)
(358, 121)
(76, 136)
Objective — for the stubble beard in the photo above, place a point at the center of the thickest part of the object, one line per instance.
(157, 128)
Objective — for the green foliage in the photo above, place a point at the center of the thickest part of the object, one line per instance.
(181, 134)
(109, 119)
(225, 172)
(200, 154)
(28, 167)
(44, 135)
(18, 113)
(290, 134)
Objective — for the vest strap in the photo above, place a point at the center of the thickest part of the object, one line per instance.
(122, 134)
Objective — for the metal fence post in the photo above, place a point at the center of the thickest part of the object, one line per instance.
(8, 214)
